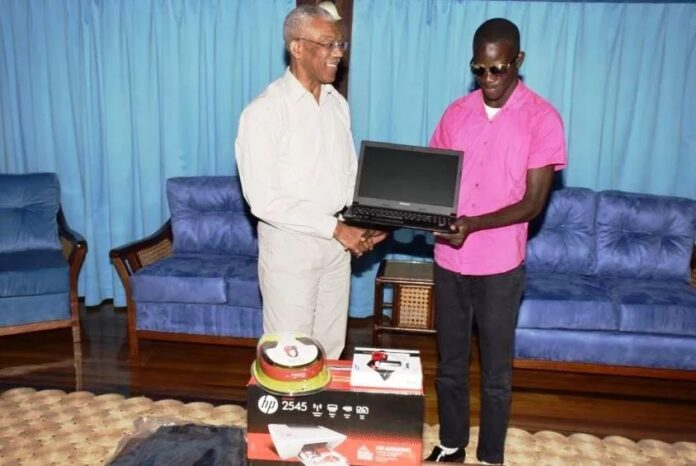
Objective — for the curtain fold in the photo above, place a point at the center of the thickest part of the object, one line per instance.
(116, 96)
(621, 74)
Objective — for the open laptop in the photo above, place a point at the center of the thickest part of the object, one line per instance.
(405, 186)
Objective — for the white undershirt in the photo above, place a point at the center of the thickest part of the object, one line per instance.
(491, 111)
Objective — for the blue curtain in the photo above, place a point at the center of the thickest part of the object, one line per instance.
(116, 96)
(621, 74)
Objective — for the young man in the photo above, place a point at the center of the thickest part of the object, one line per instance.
(513, 142)
(297, 166)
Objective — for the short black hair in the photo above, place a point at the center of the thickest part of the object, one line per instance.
(497, 30)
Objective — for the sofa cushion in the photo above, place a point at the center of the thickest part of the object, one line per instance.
(242, 280)
(613, 348)
(36, 272)
(566, 301)
(562, 239)
(209, 216)
(201, 319)
(199, 278)
(28, 208)
(644, 236)
(656, 307)
(21, 310)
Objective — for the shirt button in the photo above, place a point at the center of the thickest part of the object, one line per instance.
(476, 185)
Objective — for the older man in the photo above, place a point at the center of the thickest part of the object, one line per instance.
(297, 164)
(513, 141)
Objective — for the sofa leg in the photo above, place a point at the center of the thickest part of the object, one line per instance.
(77, 363)
(76, 332)
(132, 332)
(133, 345)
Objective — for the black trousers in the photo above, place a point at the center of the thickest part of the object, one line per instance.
(493, 301)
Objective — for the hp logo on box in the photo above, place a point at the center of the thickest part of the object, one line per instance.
(268, 404)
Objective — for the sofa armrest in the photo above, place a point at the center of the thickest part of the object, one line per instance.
(131, 257)
(74, 250)
(73, 244)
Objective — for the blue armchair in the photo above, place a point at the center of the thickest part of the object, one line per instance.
(196, 278)
(40, 257)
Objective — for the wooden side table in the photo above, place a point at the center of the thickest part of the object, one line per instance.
(412, 303)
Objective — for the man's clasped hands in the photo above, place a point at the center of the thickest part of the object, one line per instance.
(358, 240)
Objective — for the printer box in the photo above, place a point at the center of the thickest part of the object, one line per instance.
(340, 425)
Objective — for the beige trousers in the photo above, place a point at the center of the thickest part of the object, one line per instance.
(305, 284)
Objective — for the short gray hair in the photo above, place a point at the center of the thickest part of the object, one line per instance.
(297, 18)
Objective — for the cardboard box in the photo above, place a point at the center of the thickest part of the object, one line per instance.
(386, 368)
(341, 425)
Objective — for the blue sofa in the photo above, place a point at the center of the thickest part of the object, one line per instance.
(196, 278)
(40, 257)
(608, 284)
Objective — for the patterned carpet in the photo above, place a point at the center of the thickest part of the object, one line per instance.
(50, 427)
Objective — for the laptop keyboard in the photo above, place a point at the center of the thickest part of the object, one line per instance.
(402, 215)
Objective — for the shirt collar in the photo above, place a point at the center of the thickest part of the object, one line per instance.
(297, 91)
(516, 98)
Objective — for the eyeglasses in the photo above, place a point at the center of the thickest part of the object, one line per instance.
(329, 46)
(495, 70)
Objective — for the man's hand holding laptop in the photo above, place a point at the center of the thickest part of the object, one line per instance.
(460, 230)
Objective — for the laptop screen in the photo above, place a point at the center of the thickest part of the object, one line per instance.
(396, 175)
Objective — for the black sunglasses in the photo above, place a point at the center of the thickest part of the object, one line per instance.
(495, 70)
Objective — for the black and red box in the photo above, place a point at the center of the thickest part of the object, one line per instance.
(365, 426)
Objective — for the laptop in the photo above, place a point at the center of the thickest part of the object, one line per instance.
(403, 186)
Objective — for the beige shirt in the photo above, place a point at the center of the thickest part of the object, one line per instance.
(296, 158)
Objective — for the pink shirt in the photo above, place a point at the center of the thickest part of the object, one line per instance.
(526, 133)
